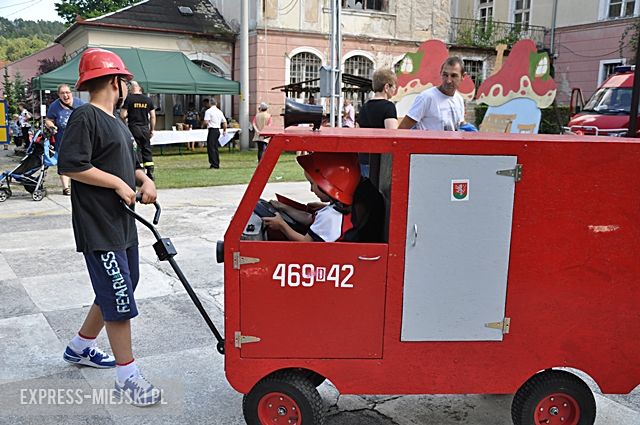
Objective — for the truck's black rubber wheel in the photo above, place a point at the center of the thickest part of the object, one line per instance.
(554, 397)
(315, 378)
(283, 398)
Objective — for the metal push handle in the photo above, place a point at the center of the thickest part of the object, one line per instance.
(169, 257)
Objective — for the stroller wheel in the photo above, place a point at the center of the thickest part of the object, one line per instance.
(38, 195)
(4, 194)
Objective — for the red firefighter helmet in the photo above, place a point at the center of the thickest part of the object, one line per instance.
(337, 174)
(96, 63)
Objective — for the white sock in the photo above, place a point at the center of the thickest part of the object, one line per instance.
(124, 372)
(79, 343)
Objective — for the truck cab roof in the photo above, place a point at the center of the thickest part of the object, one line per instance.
(620, 80)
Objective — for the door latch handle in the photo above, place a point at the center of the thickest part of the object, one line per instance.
(415, 235)
(376, 258)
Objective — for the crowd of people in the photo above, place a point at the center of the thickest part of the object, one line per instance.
(108, 157)
(437, 108)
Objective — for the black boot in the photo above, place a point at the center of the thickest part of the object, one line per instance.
(149, 171)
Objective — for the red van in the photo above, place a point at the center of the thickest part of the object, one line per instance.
(606, 113)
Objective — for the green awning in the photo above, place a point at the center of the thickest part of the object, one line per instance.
(156, 71)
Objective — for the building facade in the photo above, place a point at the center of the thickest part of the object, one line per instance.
(586, 38)
(289, 40)
(29, 67)
(194, 28)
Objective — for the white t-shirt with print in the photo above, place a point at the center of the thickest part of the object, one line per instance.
(327, 224)
(434, 110)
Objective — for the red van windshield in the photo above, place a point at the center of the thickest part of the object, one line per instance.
(607, 100)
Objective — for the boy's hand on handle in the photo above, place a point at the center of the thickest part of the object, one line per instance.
(148, 192)
(127, 194)
(275, 223)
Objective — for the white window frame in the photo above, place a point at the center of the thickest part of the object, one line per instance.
(512, 11)
(477, 59)
(477, 7)
(297, 50)
(226, 102)
(455, 9)
(287, 62)
(601, 76)
(353, 53)
(603, 11)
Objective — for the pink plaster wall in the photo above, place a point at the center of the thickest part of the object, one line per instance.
(267, 63)
(579, 51)
(28, 66)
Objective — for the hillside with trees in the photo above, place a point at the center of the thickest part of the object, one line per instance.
(69, 9)
(20, 38)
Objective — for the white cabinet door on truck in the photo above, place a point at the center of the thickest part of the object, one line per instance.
(457, 251)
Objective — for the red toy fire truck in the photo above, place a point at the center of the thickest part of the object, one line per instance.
(504, 257)
(503, 261)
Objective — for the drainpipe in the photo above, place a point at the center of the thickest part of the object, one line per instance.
(554, 16)
(635, 97)
(244, 75)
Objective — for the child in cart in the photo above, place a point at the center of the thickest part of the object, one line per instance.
(334, 178)
(98, 154)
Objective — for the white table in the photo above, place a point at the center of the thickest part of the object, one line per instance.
(166, 137)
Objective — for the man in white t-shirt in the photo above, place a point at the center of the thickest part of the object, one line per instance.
(215, 120)
(439, 108)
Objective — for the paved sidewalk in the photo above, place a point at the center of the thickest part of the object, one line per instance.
(45, 294)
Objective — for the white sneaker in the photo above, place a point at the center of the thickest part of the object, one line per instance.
(137, 391)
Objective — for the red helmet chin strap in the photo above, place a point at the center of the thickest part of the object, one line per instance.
(120, 97)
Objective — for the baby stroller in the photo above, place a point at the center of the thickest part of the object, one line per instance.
(32, 169)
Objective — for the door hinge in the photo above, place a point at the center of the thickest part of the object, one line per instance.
(502, 326)
(244, 339)
(516, 173)
(239, 260)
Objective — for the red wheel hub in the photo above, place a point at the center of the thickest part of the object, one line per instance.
(278, 408)
(557, 408)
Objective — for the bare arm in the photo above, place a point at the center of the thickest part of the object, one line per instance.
(152, 121)
(97, 177)
(300, 216)
(391, 123)
(48, 122)
(123, 114)
(278, 223)
(407, 122)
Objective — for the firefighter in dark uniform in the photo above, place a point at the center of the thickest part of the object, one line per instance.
(140, 115)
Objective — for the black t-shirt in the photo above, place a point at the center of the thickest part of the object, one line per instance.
(94, 138)
(138, 107)
(375, 111)
(372, 115)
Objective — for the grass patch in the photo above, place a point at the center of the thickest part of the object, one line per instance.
(180, 168)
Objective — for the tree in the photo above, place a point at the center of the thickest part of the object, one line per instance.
(15, 91)
(632, 32)
(21, 38)
(69, 9)
(18, 48)
(49, 64)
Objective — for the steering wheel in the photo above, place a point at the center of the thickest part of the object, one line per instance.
(265, 209)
